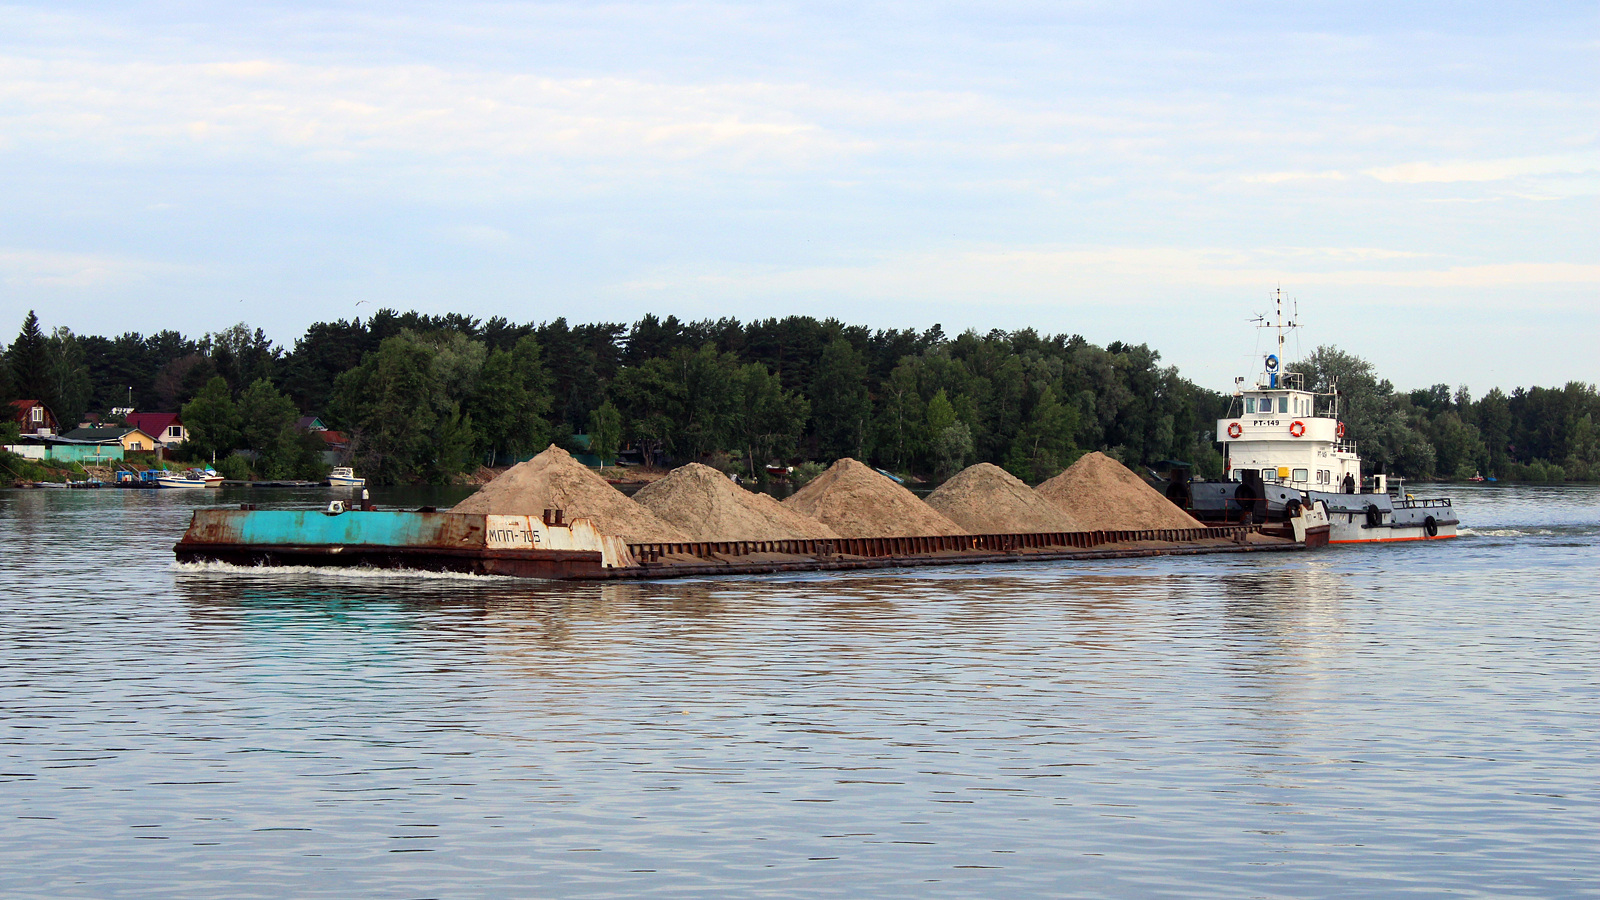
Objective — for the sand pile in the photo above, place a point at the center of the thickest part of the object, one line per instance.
(986, 499)
(856, 501)
(1104, 495)
(704, 504)
(554, 480)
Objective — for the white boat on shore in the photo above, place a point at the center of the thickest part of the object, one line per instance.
(200, 478)
(344, 476)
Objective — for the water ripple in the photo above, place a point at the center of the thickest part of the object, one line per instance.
(1359, 722)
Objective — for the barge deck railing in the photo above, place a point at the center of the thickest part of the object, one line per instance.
(870, 548)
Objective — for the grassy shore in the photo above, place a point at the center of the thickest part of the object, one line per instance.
(17, 470)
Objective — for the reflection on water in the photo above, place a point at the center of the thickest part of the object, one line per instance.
(1370, 722)
(1296, 610)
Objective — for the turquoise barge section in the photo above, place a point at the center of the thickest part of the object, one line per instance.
(552, 547)
(520, 546)
(374, 529)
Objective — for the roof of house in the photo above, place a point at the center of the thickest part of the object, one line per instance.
(107, 434)
(22, 407)
(333, 437)
(54, 439)
(309, 423)
(23, 415)
(153, 423)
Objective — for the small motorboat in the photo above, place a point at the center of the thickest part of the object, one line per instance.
(187, 479)
(344, 476)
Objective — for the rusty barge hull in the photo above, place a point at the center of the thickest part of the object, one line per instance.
(549, 548)
(715, 567)
(556, 565)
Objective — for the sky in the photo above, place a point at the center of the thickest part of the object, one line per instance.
(1421, 180)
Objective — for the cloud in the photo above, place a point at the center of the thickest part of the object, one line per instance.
(1281, 177)
(53, 269)
(1045, 276)
(255, 106)
(1484, 170)
(438, 129)
(478, 235)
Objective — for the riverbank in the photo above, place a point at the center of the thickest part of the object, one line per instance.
(18, 471)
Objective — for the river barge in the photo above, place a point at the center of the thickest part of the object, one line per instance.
(553, 547)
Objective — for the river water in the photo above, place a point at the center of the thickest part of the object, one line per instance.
(1393, 721)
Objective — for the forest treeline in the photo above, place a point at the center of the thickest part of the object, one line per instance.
(424, 398)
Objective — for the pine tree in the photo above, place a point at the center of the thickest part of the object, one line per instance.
(29, 359)
(7, 391)
(605, 432)
(69, 388)
(212, 419)
(840, 405)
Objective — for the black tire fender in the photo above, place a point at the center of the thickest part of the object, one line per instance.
(1374, 515)
(1430, 526)
(1292, 508)
(1245, 496)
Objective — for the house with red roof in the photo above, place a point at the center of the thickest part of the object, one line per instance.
(166, 428)
(33, 417)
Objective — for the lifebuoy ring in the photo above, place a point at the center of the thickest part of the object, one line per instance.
(1297, 428)
(1338, 430)
(1234, 429)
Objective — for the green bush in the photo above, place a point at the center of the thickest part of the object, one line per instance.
(806, 471)
(1576, 469)
(1537, 471)
(723, 462)
(234, 468)
(17, 468)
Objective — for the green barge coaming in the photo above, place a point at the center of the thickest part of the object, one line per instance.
(552, 547)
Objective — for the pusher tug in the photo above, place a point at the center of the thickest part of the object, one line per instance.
(1287, 453)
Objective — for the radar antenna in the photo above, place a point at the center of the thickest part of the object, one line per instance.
(1281, 327)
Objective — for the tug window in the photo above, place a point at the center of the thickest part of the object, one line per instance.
(1249, 404)
(1300, 475)
(1283, 404)
(1269, 474)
